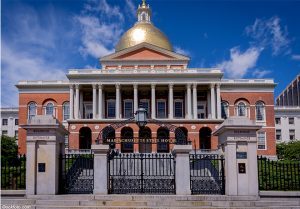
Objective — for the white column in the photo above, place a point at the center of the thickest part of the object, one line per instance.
(171, 101)
(153, 102)
(117, 101)
(100, 101)
(135, 97)
(218, 101)
(208, 105)
(212, 101)
(81, 105)
(94, 101)
(188, 102)
(76, 101)
(195, 101)
(71, 102)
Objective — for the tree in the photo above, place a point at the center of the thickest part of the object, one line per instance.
(9, 148)
(288, 151)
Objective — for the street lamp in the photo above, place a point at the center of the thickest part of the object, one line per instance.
(141, 117)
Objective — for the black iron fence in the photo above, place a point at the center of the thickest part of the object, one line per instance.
(207, 174)
(13, 173)
(141, 173)
(77, 173)
(278, 175)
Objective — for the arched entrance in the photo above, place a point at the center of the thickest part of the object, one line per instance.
(163, 137)
(181, 135)
(145, 144)
(85, 138)
(126, 139)
(109, 135)
(205, 138)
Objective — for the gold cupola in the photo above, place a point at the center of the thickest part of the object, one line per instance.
(143, 31)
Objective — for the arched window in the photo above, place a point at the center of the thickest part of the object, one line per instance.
(32, 109)
(66, 111)
(242, 108)
(181, 135)
(225, 109)
(260, 111)
(49, 109)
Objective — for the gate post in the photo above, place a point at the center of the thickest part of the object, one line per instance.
(182, 170)
(237, 137)
(44, 142)
(100, 168)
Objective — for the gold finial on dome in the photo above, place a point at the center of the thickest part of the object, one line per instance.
(143, 31)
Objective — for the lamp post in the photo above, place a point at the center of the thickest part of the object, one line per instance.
(141, 117)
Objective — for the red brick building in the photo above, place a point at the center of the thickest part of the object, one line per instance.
(145, 72)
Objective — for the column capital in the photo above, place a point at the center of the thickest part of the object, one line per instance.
(94, 86)
(135, 85)
(100, 85)
(118, 85)
(218, 85)
(71, 86)
(77, 86)
(153, 85)
(171, 85)
(212, 85)
(188, 85)
(195, 85)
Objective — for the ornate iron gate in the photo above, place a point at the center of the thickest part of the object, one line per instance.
(141, 173)
(77, 173)
(207, 174)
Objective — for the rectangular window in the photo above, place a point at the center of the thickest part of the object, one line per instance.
(161, 109)
(261, 140)
(4, 122)
(291, 121)
(88, 110)
(17, 134)
(16, 121)
(128, 108)
(144, 103)
(201, 109)
(278, 134)
(111, 108)
(66, 110)
(292, 134)
(4, 132)
(278, 121)
(178, 108)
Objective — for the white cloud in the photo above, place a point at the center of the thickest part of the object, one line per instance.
(240, 62)
(270, 33)
(101, 26)
(258, 73)
(182, 51)
(131, 8)
(296, 57)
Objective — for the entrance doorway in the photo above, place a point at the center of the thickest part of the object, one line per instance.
(205, 138)
(145, 140)
(85, 138)
(126, 140)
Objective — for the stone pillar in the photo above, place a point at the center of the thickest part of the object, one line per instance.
(45, 142)
(135, 98)
(219, 116)
(182, 171)
(81, 105)
(171, 101)
(212, 101)
(71, 102)
(188, 102)
(237, 137)
(153, 102)
(195, 101)
(118, 101)
(94, 101)
(208, 105)
(100, 168)
(100, 101)
(76, 101)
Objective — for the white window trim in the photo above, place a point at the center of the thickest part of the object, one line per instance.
(148, 102)
(107, 101)
(161, 100)
(227, 111)
(265, 140)
(204, 103)
(63, 110)
(264, 113)
(54, 114)
(28, 111)
(127, 100)
(247, 109)
(182, 113)
(276, 134)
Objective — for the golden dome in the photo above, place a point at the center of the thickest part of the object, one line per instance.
(143, 31)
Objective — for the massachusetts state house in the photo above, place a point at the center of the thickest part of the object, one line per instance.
(145, 72)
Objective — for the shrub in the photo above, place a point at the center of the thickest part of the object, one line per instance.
(288, 151)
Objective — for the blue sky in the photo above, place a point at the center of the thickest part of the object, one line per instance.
(42, 39)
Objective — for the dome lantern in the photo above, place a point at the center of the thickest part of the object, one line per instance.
(144, 13)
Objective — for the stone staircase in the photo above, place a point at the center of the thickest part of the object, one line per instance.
(148, 202)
